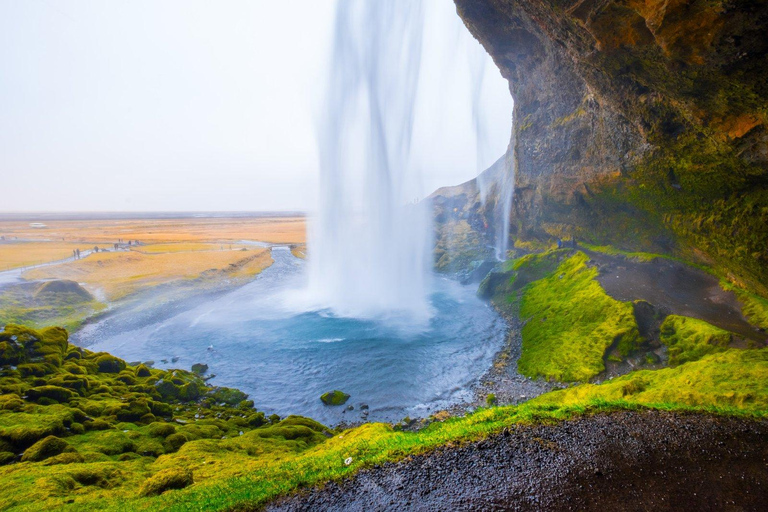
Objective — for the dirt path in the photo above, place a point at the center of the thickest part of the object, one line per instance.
(674, 288)
(623, 461)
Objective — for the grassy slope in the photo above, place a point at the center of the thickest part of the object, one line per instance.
(689, 339)
(232, 470)
(570, 323)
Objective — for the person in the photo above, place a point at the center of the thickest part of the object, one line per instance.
(78, 253)
(74, 254)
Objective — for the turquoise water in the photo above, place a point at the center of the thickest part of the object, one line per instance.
(258, 339)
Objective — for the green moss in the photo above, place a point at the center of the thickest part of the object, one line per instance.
(55, 393)
(571, 322)
(227, 396)
(44, 449)
(334, 398)
(161, 429)
(754, 307)
(166, 479)
(490, 399)
(689, 339)
(7, 458)
(733, 379)
(199, 368)
(110, 364)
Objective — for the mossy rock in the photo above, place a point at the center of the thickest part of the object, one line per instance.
(131, 412)
(167, 390)
(175, 441)
(161, 409)
(97, 425)
(11, 402)
(110, 364)
(45, 448)
(165, 480)
(227, 396)
(335, 397)
(161, 429)
(199, 368)
(190, 391)
(113, 443)
(65, 458)
(143, 371)
(257, 420)
(305, 422)
(27, 370)
(55, 393)
(7, 458)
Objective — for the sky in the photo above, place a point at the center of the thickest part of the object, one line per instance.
(186, 105)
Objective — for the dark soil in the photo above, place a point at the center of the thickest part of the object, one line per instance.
(675, 289)
(646, 460)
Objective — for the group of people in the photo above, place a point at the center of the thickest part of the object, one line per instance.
(116, 246)
(565, 244)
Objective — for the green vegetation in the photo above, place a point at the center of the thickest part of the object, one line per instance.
(334, 398)
(48, 304)
(113, 441)
(754, 308)
(689, 339)
(78, 423)
(734, 381)
(570, 321)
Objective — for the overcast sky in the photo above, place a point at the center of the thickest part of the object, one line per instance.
(189, 105)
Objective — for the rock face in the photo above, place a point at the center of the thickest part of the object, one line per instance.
(466, 223)
(640, 123)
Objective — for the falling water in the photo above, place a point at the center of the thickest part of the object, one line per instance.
(369, 242)
(499, 179)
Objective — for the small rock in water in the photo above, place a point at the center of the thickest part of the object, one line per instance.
(335, 397)
(350, 407)
(364, 407)
(174, 359)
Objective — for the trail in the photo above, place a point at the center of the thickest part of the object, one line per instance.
(646, 460)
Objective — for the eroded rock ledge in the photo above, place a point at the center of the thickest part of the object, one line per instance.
(639, 123)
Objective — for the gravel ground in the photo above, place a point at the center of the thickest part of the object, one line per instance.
(645, 460)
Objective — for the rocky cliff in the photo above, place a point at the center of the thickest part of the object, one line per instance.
(639, 123)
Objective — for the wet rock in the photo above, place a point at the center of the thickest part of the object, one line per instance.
(334, 398)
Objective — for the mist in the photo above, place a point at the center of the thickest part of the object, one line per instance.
(191, 105)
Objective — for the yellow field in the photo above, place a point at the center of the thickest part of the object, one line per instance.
(114, 275)
(188, 247)
(15, 254)
(283, 230)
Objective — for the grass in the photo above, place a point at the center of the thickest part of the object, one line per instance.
(119, 440)
(636, 256)
(42, 305)
(15, 254)
(734, 381)
(689, 339)
(283, 230)
(754, 307)
(116, 275)
(186, 247)
(570, 322)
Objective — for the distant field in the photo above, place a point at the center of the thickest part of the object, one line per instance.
(24, 254)
(283, 230)
(115, 275)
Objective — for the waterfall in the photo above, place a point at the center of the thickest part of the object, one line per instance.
(369, 242)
